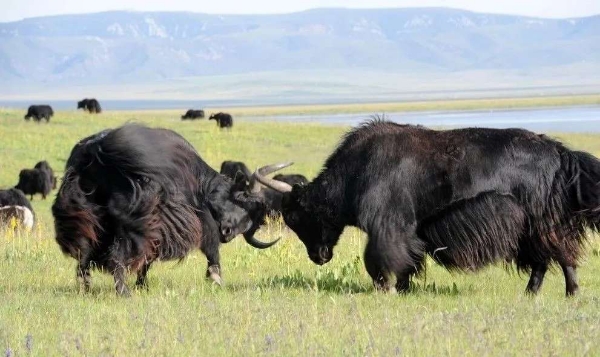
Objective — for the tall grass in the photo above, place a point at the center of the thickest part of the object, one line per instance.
(274, 302)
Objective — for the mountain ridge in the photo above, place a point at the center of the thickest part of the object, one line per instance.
(147, 47)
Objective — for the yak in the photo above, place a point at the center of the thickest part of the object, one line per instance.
(39, 112)
(193, 114)
(466, 197)
(37, 180)
(134, 195)
(238, 172)
(44, 165)
(23, 215)
(91, 105)
(224, 120)
(14, 204)
(14, 197)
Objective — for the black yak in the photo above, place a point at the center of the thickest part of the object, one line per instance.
(90, 105)
(13, 203)
(134, 195)
(238, 172)
(33, 181)
(193, 114)
(14, 197)
(22, 215)
(44, 165)
(39, 112)
(223, 120)
(466, 197)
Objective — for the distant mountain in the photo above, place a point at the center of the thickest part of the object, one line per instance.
(137, 47)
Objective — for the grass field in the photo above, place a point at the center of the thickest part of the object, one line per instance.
(274, 302)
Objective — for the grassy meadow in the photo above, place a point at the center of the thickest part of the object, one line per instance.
(274, 302)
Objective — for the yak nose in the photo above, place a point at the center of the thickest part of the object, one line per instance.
(226, 231)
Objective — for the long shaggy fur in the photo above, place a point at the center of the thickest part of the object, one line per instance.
(467, 197)
(134, 195)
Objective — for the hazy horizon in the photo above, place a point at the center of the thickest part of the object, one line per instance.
(17, 10)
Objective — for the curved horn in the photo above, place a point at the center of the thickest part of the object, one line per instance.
(259, 175)
(256, 243)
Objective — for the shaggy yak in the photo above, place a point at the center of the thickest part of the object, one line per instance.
(466, 197)
(91, 105)
(40, 179)
(134, 195)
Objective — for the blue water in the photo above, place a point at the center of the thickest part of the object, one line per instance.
(562, 119)
(565, 119)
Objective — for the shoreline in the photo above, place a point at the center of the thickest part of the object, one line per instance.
(375, 107)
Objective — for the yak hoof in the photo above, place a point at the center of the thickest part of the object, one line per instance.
(214, 273)
(216, 278)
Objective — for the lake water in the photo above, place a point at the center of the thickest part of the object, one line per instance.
(562, 119)
(565, 119)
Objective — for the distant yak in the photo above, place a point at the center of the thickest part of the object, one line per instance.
(40, 179)
(466, 197)
(223, 120)
(193, 114)
(39, 112)
(90, 105)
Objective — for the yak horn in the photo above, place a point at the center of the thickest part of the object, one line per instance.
(259, 175)
(258, 244)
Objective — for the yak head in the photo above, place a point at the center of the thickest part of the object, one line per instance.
(318, 236)
(81, 104)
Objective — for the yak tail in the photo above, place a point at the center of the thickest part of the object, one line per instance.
(583, 186)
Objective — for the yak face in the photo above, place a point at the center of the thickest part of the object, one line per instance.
(318, 237)
(81, 104)
(234, 212)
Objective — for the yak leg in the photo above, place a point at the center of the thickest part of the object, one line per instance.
(538, 271)
(213, 272)
(83, 274)
(210, 247)
(570, 278)
(120, 286)
(119, 269)
(373, 263)
(141, 276)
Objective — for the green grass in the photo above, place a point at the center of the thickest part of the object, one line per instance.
(275, 302)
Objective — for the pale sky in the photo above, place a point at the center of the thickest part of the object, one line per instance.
(13, 10)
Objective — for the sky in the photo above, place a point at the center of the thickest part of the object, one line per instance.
(14, 10)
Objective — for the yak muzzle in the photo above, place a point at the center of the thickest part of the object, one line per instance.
(321, 255)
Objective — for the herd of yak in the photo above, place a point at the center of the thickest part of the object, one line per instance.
(41, 112)
(133, 195)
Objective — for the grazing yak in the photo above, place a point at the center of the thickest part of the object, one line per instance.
(39, 112)
(91, 105)
(466, 197)
(193, 114)
(13, 203)
(21, 214)
(40, 179)
(134, 195)
(223, 120)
